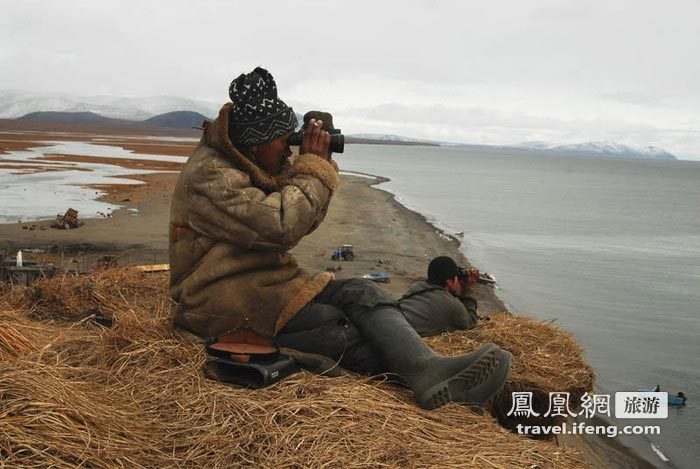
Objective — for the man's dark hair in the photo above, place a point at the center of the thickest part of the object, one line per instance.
(441, 269)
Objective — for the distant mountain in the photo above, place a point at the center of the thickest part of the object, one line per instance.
(177, 119)
(602, 148)
(83, 118)
(14, 103)
(172, 120)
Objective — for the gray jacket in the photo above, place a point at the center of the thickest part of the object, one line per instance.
(431, 309)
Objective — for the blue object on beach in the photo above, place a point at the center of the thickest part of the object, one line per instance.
(379, 277)
(677, 400)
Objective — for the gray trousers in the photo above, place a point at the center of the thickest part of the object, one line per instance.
(325, 325)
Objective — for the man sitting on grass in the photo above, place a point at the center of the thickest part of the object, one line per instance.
(238, 208)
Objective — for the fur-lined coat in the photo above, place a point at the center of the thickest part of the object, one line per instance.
(231, 225)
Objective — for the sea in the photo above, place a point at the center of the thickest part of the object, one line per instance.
(607, 247)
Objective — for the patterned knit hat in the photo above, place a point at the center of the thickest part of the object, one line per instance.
(258, 115)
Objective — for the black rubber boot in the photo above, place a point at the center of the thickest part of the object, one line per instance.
(473, 378)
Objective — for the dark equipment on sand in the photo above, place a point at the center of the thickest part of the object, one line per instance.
(344, 252)
(337, 144)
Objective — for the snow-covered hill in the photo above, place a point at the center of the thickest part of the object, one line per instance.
(603, 148)
(387, 137)
(15, 103)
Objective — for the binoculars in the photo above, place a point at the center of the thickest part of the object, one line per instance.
(484, 277)
(337, 144)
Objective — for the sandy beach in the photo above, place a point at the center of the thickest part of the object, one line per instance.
(142, 237)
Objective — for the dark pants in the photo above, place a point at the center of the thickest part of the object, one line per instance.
(325, 325)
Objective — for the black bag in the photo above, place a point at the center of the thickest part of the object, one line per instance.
(259, 372)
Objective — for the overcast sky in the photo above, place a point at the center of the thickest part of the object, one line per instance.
(496, 72)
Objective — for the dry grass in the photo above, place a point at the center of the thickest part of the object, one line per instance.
(545, 359)
(134, 395)
(103, 292)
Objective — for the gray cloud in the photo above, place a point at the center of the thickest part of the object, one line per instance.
(552, 68)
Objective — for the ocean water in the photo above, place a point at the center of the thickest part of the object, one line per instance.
(609, 247)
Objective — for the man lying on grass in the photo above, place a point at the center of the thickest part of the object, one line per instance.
(238, 208)
(443, 302)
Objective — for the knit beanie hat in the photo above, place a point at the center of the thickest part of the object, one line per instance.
(326, 117)
(441, 269)
(258, 115)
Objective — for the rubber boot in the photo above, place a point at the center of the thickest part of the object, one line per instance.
(473, 378)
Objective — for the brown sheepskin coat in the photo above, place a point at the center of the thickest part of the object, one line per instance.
(231, 225)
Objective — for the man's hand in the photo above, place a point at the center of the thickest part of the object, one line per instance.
(472, 276)
(316, 140)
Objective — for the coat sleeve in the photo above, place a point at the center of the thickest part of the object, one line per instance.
(224, 208)
(466, 317)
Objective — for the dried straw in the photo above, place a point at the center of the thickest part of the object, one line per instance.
(545, 360)
(12, 342)
(103, 292)
(134, 395)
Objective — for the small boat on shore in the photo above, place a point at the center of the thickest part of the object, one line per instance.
(677, 400)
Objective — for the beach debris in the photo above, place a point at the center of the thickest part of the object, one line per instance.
(68, 220)
(20, 271)
(460, 234)
(379, 277)
(660, 453)
(151, 268)
(107, 262)
(334, 269)
(344, 252)
(34, 227)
